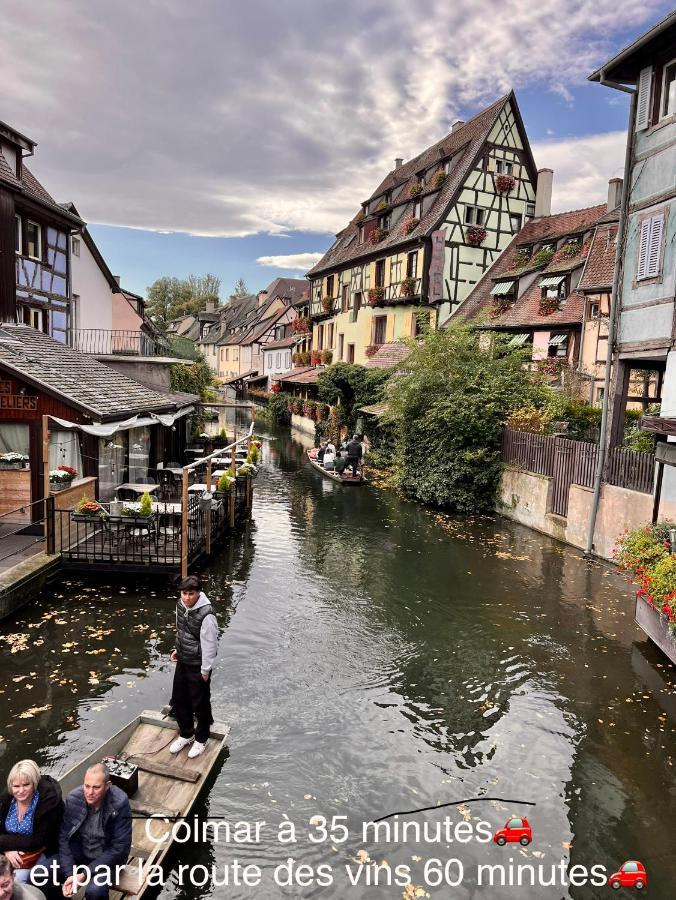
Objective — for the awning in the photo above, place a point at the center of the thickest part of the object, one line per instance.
(241, 377)
(551, 281)
(375, 409)
(557, 339)
(502, 288)
(107, 429)
(518, 339)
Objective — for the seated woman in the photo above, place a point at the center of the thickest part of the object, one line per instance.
(329, 456)
(31, 810)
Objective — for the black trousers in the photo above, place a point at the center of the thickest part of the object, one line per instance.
(354, 462)
(191, 697)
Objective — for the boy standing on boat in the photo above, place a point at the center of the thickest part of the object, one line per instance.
(195, 654)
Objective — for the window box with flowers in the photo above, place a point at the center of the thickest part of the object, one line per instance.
(505, 183)
(61, 477)
(571, 249)
(300, 325)
(549, 304)
(410, 224)
(327, 304)
(306, 356)
(543, 257)
(371, 350)
(475, 236)
(378, 235)
(88, 510)
(376, 295)
(297, 359)
(439, 179)
(644, 554)
(408, 287)
(414, 190)
(500, 305)
(522, 258)
(12, 460)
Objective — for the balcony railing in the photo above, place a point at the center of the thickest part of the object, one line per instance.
(320, 309)
(111, 342)
(406, 291)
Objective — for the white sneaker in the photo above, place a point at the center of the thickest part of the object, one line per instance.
(180, 743)
(197, 749)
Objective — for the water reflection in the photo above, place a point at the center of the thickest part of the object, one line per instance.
(375, 657)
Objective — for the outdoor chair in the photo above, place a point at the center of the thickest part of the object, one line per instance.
(169, 530)
(148, 479)
(141, 530)
(126, 494)
(167, 484)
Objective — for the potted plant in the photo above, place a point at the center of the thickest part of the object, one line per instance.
(542, 257)
(475, 236)
(414, 190)
(252, 455)
(408, 287)
(223, 485)
(505, 183)
(87, 508)
(376, 295)
(327, 304)
(327, 357)
(315, 358)
(306, 357)
(275, 389)
(371, 350)
(378, 235)
(549, 305)
(61, 477)
(410, 224)
(12, 460)
(439, 178)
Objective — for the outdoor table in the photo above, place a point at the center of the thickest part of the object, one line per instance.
(138, 488)
(177, 472)
(194, 488)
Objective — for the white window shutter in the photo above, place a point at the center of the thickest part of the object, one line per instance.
(644, 243)
(655, 246)
(643, 99)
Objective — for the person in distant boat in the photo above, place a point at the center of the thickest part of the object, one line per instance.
(321, 452)
(95, 832)
(31, 810)
(15, 890)
(341, 461)
(195, 655)
(329, 456)
(354, 454)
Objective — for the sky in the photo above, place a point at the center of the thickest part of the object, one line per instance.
(238, 138)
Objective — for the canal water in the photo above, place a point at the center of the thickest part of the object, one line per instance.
(376, 658)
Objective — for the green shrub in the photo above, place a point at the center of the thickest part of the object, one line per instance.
(223, 483)
(146, 506)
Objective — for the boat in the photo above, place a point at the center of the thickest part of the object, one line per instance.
(168, 786)
(355, 481)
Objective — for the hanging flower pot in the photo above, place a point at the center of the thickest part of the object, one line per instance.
(475, 236)
(378, 235)
(410, 224)
(505, 183)
(439, 179)
(376, 295)
(408, 287)
(414, 190)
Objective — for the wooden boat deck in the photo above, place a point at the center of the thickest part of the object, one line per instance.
(168, 785)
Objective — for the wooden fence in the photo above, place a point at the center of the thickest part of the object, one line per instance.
(574, 462)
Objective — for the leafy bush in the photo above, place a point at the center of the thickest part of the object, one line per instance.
(223, 483)
(351, 386)
(528, 418)
(448, 408)
(253, 454)
(146, 505)
(644, 553)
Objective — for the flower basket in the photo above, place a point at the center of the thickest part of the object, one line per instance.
(315, 358)
(12, 460)
(327, 357)
(327, 304)
(475, 236)
(505, 183)
(500, 306)
(89, 509)
(548, 305)
(371, 350)
(378, 235)
(61, 477)
(410, 224)
(408, 287)
(376, 295)
(275, 389)
(300, 326)
(438, 180)
(414, 190)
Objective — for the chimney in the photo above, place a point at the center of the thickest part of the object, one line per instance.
(614, 193)
(543, 193)
(210, 306)
(456, 125)
(262, 297)
(399, 161)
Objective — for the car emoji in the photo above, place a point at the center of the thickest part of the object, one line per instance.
(630, 874)
(514, 830)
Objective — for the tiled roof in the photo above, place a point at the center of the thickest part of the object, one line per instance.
(576, 222)
(246, 374)
(463, 144)
(78, 379)
(260, 328)
(526, 311)
(282, 343)
(388, 355)
(375, 409)
(301, 376)
(598, 272)
(31, 187)
(292, 288)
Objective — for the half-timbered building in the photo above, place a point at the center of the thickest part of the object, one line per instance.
(427, 234)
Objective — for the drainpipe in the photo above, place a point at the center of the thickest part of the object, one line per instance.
(615, 297)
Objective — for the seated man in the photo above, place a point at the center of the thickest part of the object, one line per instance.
(14, 890)
(95, 832)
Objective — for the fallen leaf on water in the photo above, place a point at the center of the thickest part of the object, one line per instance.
(34, 710)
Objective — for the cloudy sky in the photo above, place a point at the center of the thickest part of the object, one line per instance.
(238, 137)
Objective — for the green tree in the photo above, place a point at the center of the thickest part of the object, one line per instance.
(350, 386)
(167, 299)
(447, 405)
(203, 288)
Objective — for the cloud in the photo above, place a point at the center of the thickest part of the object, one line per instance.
(582, 167)
(302, 261)
(234, 119)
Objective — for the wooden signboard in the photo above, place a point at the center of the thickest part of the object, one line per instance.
(8, 400)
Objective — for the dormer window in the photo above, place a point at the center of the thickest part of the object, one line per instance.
(384, 222)
(553, 287)
(417, 209)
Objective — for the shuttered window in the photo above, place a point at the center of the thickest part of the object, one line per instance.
(643, 99)
(650, 247)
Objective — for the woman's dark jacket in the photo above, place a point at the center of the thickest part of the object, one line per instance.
(46, 820)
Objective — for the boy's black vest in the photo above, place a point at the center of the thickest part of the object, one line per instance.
(188, 625)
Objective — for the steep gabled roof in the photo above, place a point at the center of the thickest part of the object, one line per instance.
(600, 268)
(387, 356)
(281, 344)
(29, 187)
(292, 288)
(462, 145)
